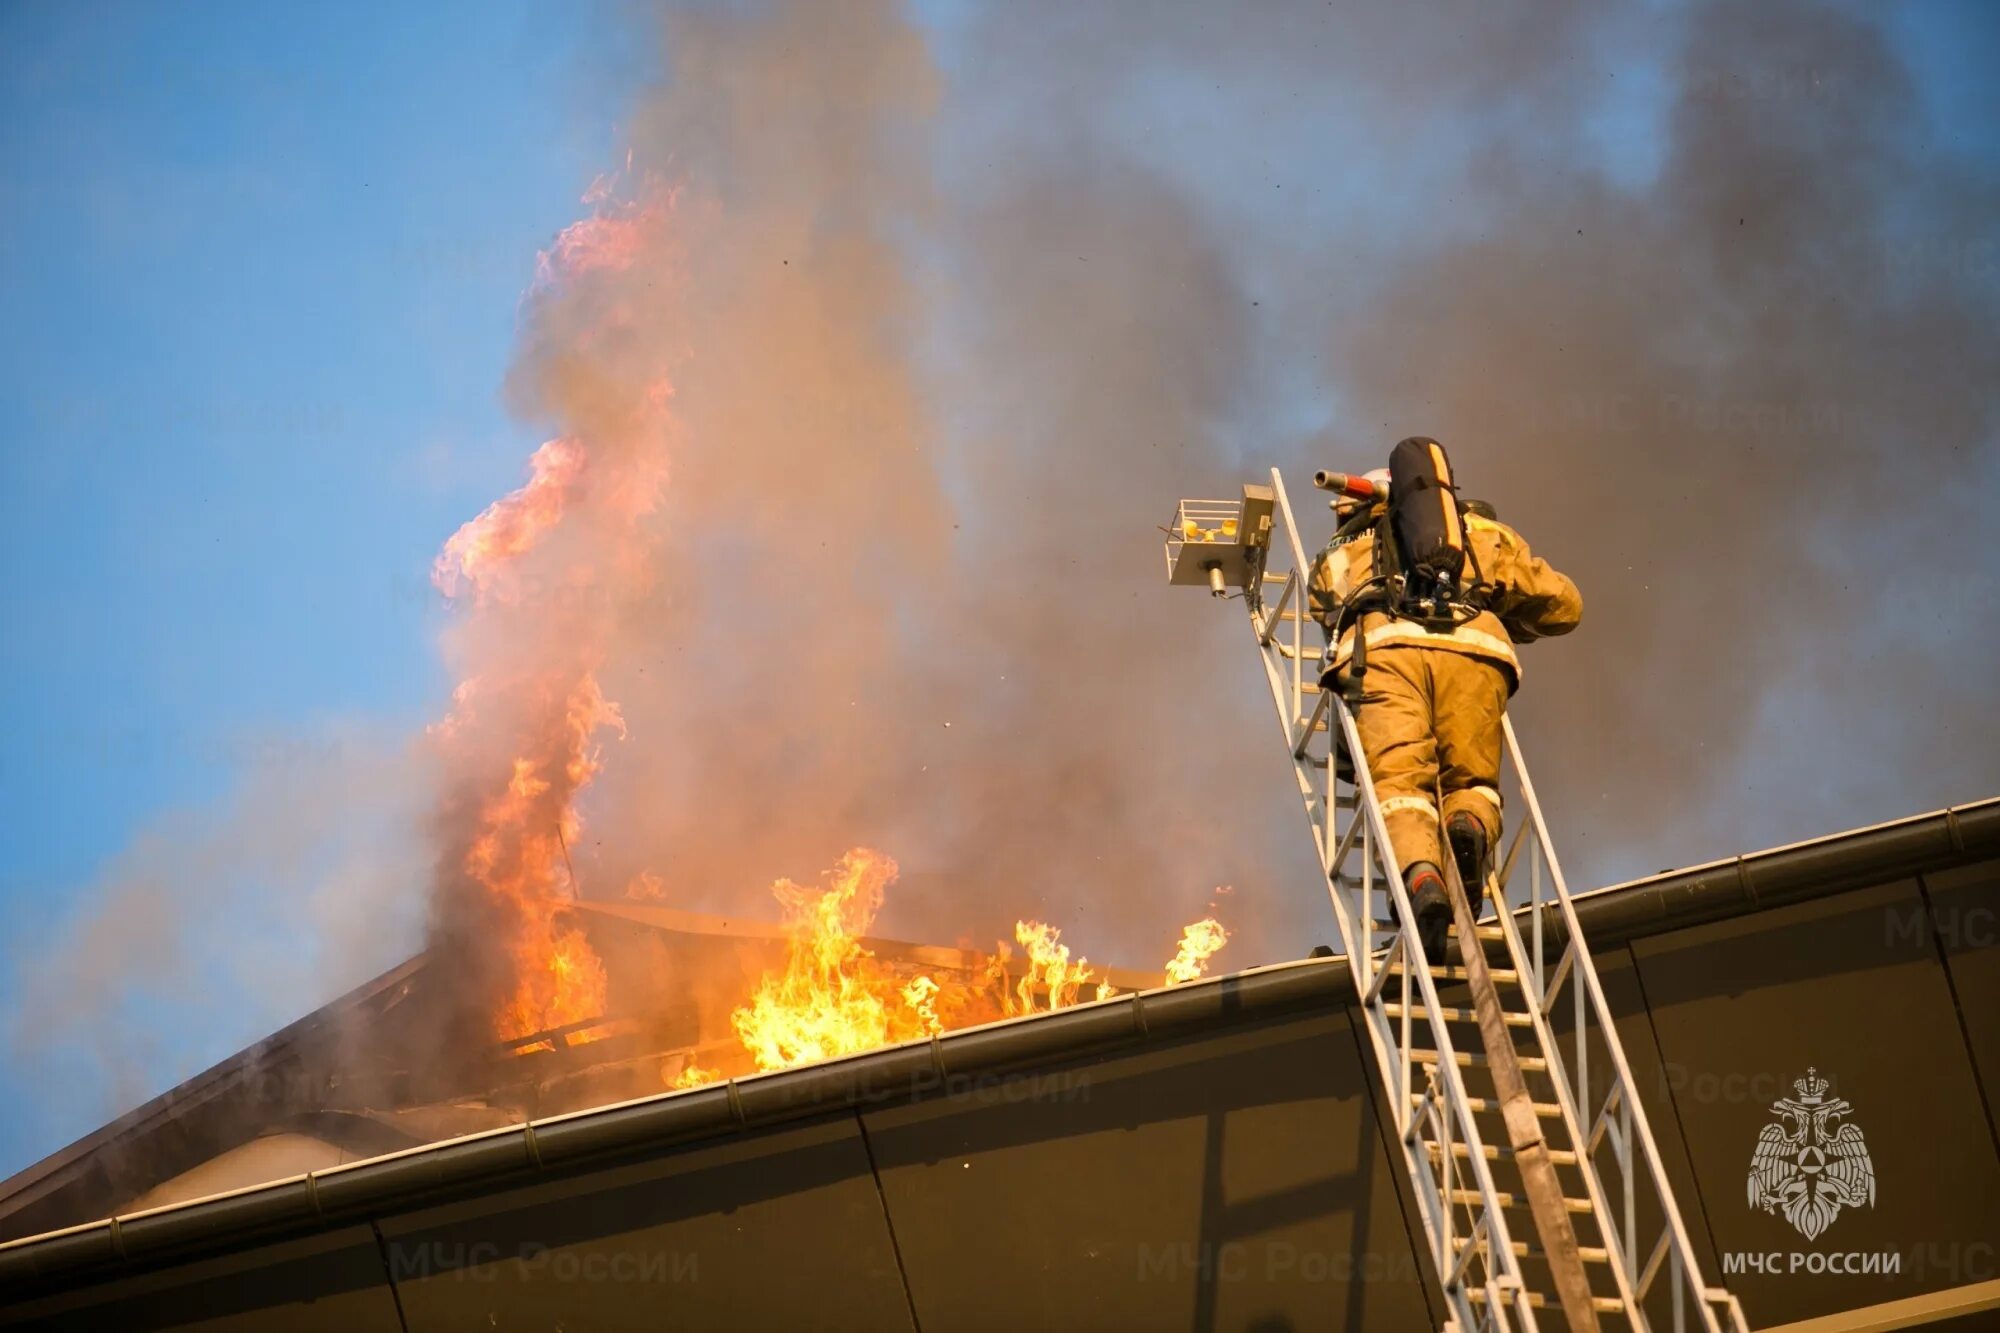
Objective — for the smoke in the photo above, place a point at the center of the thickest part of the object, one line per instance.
(872, 374)
(1743, 405)
(954, 314)
(215, 924)
(960, 322)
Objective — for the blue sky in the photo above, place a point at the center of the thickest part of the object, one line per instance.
(262, 271)
(261, 266)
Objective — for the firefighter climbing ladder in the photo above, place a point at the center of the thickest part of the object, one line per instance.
(1625, 1259)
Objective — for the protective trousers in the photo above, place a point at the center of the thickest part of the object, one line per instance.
(1430, 720)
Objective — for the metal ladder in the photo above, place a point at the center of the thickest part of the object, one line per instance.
(1641, 1269)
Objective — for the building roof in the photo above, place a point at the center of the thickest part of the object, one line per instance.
(541, 1146)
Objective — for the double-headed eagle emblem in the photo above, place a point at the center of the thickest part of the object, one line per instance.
(1808, 1165)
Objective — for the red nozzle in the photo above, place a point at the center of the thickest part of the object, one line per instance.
(1352, 487)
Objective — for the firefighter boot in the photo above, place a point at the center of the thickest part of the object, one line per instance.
(1468, 849)
(1433, 909)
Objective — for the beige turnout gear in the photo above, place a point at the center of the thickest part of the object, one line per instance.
(1528, 600)
(1432, 702)
(1431, 720)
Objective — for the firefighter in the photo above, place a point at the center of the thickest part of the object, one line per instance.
(1432, 698)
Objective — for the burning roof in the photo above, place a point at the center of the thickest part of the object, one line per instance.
(688, 999)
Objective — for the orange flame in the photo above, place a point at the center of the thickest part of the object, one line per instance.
(518, 855)
(693, 1076)
(523, 730)
(1049, 970)
(1199, 942)
(518, 851)
(834, 997)
(479, 555)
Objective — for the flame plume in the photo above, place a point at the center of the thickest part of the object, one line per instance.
(1199, 942)
(537, 582)
(834, 997)
(1049, 971)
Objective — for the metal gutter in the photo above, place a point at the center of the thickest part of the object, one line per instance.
(1899, 849)
(456, 1167)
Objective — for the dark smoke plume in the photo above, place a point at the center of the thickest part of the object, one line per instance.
(963, 323)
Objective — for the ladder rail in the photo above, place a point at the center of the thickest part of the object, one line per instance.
(1476, 1254)
(1481, 1255)
(1631, 1134)
(1617, 1243)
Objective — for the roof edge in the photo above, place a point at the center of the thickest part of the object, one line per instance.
(435, 1171)
(1916, 845)
(430, 1173)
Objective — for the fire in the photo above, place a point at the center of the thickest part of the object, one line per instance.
(530, 577)
(480, 556)
(1199, 942)
(528, 716)
(834, 997)
(613, 238)
(519, 855)
(921, 995)
(1049, 970)
(693, 1076)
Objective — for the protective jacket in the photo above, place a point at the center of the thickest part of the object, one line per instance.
(1525, 598)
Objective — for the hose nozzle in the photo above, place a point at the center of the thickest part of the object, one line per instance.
(1351, 487)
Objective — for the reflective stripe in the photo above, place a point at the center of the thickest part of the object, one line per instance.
(1491, 794)
(1465, 639)
(1395, 805)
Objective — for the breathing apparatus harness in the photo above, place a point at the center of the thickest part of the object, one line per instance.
(1420, 557)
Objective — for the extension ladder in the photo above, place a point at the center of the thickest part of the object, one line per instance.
(1624, 1260)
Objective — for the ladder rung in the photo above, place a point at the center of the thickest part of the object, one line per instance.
(1493, 933)
(1537, 1301)
(1451, 1014)
(1503, 976)
(1508, 1199)
(1546, 1110)
(1559, 1156)
(1533, 1064)
(1590, 1254)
